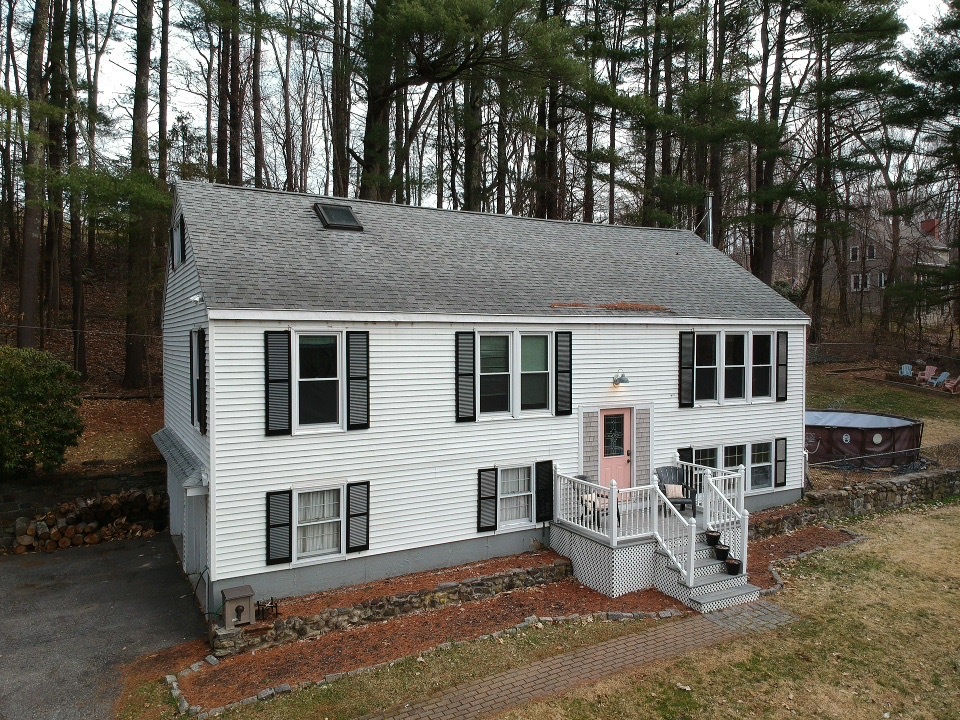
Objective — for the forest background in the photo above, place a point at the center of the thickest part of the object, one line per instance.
(801, 126)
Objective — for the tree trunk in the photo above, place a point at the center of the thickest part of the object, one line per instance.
(138, 257)
(472, 141)
(340, 91)
(33, 182)
(162, 135)
(236, 101)
(223, 103)
(76, 227)
(259, 156)
(379, 58)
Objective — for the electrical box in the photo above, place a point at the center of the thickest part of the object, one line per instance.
(237, 606)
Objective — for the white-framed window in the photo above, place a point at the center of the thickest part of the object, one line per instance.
(534, 372)
(856, 282)
(515, 495)
(854, 253)
(734, 456)
(761, 370)
(514, 371)
(761, 466)
(197, 385)
(706, 457)
(705, 367)
(871, 252)
(494, 373)
(319, 522)
(318, 371)
(735, 366)
(881, 279)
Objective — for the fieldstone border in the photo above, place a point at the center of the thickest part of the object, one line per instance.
(866, 498)
(185, 708)
(225, 643)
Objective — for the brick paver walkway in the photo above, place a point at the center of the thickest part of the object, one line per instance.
(558, 675)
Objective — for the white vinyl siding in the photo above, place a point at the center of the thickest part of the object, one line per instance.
(421, 463)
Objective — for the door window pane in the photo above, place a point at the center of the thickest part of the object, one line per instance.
(613, 428)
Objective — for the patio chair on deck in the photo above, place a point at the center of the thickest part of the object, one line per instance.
(906, 370)
(939, 379)
(671, 483)
(927, 374)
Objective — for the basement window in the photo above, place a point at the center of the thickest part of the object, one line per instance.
(337, 217)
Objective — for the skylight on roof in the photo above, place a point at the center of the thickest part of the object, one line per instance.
(338, 217)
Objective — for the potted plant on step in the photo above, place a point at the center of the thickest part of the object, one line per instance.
(721, 551)
(733, 566)
(712, 537)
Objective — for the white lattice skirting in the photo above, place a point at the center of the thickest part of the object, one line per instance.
(611, 571)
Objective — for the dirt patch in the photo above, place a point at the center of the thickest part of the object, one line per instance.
(337, 652)
(780, 547)
(150, 668)
(116, 436)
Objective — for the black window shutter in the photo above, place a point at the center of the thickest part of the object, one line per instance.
(358, 380)
(277, 390)
(781, 366)
(193, 389)
(465, 372)
(544, 473)
(173, 263)
(279, 527)
(486, 499)
(183, 240)
(686, 369)
(564, 377)
(358, 516)
(686, 454)
(202, 380)
(780, 457)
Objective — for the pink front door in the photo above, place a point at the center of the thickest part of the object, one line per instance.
(616, 443)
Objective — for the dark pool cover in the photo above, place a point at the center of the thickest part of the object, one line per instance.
(847, 435)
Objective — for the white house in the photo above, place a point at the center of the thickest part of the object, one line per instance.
(355, 390)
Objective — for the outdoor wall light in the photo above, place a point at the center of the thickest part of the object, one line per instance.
(620, 379)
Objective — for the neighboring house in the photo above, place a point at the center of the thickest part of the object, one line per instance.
(865, 273)
(355, 390)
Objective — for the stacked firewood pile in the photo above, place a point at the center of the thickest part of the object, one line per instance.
(88, 521)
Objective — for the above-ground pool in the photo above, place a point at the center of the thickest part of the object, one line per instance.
(865, 439)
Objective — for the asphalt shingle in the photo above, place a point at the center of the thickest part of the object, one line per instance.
(268, 250)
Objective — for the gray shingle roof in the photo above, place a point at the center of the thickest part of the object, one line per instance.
(267, 250)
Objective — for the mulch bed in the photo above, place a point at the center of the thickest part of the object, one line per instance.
(337, 652)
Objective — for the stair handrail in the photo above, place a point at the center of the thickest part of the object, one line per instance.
(688, 535)
(713, 492)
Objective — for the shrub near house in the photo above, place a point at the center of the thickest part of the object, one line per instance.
(39, 411)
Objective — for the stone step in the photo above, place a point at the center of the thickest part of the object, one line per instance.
(727, 597)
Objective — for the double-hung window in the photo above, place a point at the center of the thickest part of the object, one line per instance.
(706, 457)
(494, 373)
(734, 456)
(705, 367)
(761, 466)
(516, 495)
(854, 253)
(871, 252)
(534, 372)
(513, 372)
(761, 370)
(318, 382)
(319, 523)
(735, 367)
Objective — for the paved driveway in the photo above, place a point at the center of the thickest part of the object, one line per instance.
(69, 619)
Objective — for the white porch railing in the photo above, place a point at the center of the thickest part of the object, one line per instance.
(723, 507)
(614, 516)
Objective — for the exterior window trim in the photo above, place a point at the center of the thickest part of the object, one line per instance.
(772, 366)
(195, 389)
(722, 375)
(717, 368)
(720, 449)
(854, 253)
(532, 492)
(303, 488)
(721, 367)
(871, 252)
(515, 358)
(313, 428)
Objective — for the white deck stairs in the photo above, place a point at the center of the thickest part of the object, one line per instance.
(624, 540)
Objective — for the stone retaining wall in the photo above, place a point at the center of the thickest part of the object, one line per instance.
(861, 499)
(30, 498)
(284, 630)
